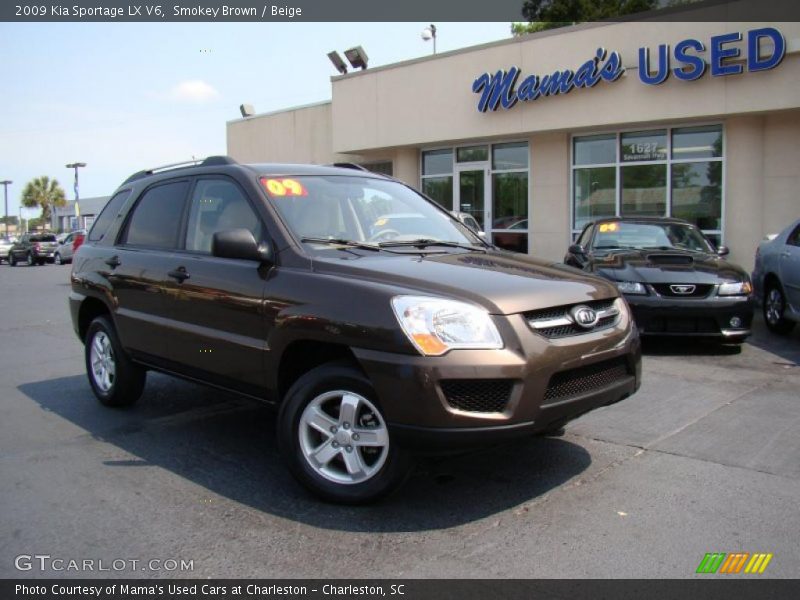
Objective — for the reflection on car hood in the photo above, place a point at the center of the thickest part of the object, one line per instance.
(664, 266)
(501, 282)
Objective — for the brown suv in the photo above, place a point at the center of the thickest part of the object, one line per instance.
(377, 322)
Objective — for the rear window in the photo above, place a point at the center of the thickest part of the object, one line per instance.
(107, 216)
(43, 238)
(156, 218)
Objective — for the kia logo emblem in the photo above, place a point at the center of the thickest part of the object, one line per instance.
(682, 289)
(583, 316)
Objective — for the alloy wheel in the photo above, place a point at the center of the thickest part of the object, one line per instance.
(101, 357)
(343, 437)
(773, 309)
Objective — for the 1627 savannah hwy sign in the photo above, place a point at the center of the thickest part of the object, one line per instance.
(685, 62)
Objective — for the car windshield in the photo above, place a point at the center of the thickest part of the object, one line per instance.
(361, 210)
(649, 236)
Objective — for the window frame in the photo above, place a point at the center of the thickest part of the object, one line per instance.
(668, 162)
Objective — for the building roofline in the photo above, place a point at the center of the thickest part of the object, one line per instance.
(279, 111)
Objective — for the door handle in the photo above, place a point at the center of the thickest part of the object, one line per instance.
(180, 274)
(113, 262)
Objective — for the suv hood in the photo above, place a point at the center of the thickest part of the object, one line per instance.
(501, 282)
(665, 266)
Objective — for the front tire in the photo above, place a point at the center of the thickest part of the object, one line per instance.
(57, 259)
(334, 438)
(12, 261)
(774, 310)
(29, 260)
(115, 379)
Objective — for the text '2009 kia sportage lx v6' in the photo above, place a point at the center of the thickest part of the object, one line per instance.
(375, 321)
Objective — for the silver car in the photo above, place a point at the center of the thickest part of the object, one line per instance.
(777, 278)
(5, 248)
(64, 251)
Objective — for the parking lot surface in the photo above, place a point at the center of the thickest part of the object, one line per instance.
(704, 458)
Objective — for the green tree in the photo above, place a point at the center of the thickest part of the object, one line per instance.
(550, 14)
(45, 193)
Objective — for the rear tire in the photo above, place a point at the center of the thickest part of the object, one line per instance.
(334, 438)
(29, 260)
(774, 309)
(12, 261)
(115, 379)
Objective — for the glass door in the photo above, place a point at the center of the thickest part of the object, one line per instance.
(471, 193)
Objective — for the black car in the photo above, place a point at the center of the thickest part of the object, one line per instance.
(674, 279)
(33, 249)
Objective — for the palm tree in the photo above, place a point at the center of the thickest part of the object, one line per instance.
(43, 192)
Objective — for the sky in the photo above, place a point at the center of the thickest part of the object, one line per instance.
(122, 97)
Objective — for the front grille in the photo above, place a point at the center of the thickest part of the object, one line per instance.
(700, 290)
(586, 379)
(680, 325)
(568, 329)
(477, 395)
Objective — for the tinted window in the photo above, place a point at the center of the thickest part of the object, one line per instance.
(794, 237)
(43, 238)
(107, 216)
(218, 205)
(585, 236)
(157, 216)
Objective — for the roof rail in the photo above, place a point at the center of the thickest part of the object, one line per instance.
(349, 165)
(211, 161)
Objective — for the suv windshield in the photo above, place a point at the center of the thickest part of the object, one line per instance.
(649, 236)
(361, 210)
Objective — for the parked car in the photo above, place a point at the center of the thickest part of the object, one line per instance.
(279, 282)
(33, 249)
(674, 279)
(67, 247)
(776, 278)
(5, 248)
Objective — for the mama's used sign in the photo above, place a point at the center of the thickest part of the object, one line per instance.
(504, 89)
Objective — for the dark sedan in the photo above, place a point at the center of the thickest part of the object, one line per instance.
(673, 278)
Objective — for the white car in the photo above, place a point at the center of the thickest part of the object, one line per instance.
(776, 278)
(5, 248)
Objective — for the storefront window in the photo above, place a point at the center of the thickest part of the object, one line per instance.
(510, 156)
(697, 193)
(595, 149)
(644, 190)
(440, 189)
(472, 153)
(595, 194)
(661, 172)
(644, 145)
(437, 162)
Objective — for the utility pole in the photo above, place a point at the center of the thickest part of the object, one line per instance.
(5, 185)
(76, 166)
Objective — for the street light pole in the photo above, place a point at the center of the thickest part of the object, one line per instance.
(76, 166)
(5, 184)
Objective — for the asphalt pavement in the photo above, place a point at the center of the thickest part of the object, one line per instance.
(704, 458)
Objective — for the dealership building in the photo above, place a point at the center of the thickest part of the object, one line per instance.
(537, 135)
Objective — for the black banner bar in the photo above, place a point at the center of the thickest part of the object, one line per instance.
(356, 11)
(713, 588)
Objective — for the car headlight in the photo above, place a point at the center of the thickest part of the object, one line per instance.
(736, 288)
(631, 287)
(436, 325)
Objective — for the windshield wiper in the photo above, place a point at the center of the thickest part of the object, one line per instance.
(341, 242)
(424, 243)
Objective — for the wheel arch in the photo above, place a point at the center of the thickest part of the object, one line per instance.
(302, 355)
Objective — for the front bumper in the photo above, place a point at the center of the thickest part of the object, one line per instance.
(549, 382)
(703, 317)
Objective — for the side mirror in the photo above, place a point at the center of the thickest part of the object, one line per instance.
(723, 251)
(577, 250)
(239, 243)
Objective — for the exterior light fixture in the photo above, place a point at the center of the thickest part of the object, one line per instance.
(247, 110)
(337, 62)
(429, 33)
(357, 57)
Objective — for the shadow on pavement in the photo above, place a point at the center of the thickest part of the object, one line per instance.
(227, 445)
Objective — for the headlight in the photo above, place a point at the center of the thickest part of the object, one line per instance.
(737, 288)
(436, 325)
(631, 287)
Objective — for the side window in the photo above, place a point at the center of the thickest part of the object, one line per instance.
(794, 237)
(156, 218)
(107, 216)
(218, 205)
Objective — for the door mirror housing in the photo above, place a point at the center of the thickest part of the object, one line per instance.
(723, 251)
(241, 244)
(577, 250)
